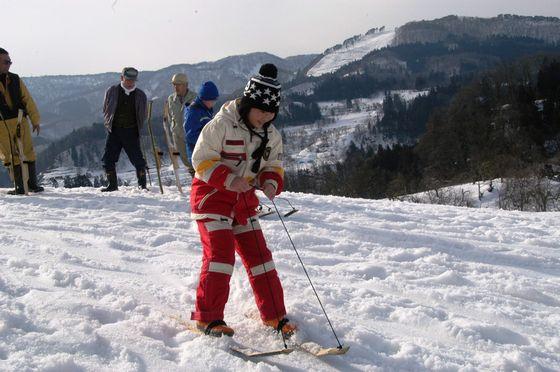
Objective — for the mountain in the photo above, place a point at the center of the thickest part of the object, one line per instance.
(91, 282)
(68, 102)
(424, 53)
(449, 31)
(540, 28)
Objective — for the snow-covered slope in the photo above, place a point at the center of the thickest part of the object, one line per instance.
(352, 50)
(327, 141)
(89, 282)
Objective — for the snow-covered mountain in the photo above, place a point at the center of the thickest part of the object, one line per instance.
(431, 31)
(91, 282)
(540, 28)
(72, 101)
(350, 50)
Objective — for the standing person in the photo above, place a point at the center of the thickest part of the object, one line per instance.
(198, 114)
(238, 151)
(124, 110)
(13, 97)
(174, 114)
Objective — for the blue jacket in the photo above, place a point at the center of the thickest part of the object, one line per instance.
(195, 118)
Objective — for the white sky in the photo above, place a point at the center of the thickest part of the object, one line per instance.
(46, 37)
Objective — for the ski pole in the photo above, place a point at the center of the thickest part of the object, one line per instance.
(306, 274)
(148, 173)
(142, 146)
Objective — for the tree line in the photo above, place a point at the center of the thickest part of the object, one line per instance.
(503, 123)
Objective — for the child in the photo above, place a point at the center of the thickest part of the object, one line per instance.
(198, 114)
(238, 151)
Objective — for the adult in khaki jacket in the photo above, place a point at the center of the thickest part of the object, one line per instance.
(237, 151)
(13, 97)
(173, 114)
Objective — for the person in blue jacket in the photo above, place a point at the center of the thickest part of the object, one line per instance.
(198, 114)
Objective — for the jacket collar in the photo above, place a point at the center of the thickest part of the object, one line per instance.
(175, 96)
(198, 102)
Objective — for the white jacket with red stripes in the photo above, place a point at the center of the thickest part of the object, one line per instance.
(222, 152)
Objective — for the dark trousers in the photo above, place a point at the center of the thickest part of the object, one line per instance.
(118, 139)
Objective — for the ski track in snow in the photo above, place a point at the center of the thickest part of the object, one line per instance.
(90, 282)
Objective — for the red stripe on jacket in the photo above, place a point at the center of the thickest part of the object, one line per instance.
(233, 155)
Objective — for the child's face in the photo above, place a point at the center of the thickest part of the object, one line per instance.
(258, 118)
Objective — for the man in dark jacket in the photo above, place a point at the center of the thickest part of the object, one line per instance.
(124, 110)
(198, 114)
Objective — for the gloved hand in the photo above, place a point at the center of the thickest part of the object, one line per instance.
(240, 184)
(269, 191)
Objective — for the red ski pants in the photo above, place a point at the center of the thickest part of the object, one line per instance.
(220, 240)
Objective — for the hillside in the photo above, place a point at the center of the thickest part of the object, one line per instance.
(540, 28)
(70, 102)
(89, 282)
(350, 50)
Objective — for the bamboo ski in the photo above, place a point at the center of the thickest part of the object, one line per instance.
(173, 155)
(11, 166)
(19, 147)
(154, 147)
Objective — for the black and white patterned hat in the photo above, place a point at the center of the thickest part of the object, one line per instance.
(263, 90)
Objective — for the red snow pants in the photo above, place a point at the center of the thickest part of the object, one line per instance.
(220, 240)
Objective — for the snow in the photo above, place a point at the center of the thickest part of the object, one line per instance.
(369, 103)
(334, 60)
(90, 282)
(467, 192)
(491, 191)
(326, 141)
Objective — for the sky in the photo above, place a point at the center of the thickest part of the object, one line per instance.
(67, 37)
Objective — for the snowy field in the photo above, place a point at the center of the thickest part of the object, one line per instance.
(90, 282)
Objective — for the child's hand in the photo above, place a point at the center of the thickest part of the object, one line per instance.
(269, 191)
(240, 184)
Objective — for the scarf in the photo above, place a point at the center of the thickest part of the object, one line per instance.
(127, 91)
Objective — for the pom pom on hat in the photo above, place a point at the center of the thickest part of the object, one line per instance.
(269, 70)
